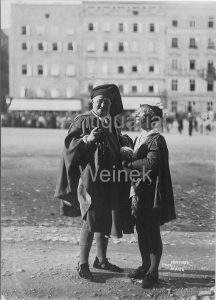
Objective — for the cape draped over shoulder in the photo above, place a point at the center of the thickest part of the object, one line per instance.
(78, 182)
(164, 189)
(162, 194)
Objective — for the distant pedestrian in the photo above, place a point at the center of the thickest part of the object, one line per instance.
(179, 118)
(200, 125)
(42, 121)
(190, 123)
(23, 119)
(3, 120)
(169, 123)
(195, 123)
(53, 120)
(13, 119)
(189, 108)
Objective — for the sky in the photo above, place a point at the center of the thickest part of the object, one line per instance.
(6, 7)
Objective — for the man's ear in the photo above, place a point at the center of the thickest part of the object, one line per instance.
(91, 105)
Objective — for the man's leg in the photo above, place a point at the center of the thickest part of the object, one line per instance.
(101, 261)
(101, 242)
(86, 238)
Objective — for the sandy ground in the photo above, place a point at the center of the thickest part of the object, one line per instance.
(40, 248)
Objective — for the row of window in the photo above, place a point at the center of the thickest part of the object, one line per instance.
(151, 46)
(153, 88)
(45, 47)
(106, 46)
(107, 27)
(192, 64)
(125, 27)
(192, 23)
(69, 92)
(42, 70)
(152, 67)
(193, 43)
(192, 85)
(90, 47)
(126, 89)
(42, 93)
(94, 27)
(124, 69)
(40, 30)
(174, 105)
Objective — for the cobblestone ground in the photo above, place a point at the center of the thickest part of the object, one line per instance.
(40, 248)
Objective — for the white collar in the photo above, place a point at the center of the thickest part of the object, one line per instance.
(154, 130)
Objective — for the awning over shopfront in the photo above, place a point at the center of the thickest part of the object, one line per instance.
(45, 105)
(132, 103)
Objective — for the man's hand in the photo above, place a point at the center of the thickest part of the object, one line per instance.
(94, 135)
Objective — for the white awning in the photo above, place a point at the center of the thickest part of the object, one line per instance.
(45, 105)
(134, 102)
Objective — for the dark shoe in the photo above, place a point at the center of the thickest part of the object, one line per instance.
(84, 272)
(139, 273)
(106, 266)
(149, 280)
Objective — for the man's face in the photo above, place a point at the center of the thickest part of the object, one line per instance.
(101, 105)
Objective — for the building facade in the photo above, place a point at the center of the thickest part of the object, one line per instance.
(4, 70)
(152, 50)
(191, 46)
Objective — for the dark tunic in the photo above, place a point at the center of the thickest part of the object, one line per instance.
(79, 180)
(158, 194)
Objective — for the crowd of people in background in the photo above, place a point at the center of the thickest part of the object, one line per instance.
(204, 122)
(37, 119)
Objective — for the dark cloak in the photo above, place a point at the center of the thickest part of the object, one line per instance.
(78, 166)
(160, 191)
(164, 189)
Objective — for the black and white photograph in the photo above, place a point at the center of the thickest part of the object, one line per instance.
(108, 122)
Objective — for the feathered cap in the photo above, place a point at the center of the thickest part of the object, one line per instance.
(153, 110)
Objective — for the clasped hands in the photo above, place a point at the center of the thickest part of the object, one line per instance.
(127, 156)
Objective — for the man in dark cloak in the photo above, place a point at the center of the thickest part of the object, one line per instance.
(88, 177)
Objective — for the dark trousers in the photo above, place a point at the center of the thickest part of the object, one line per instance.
(149, 238)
